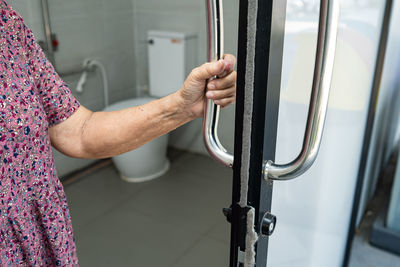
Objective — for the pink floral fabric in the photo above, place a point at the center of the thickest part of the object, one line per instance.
(35, 224)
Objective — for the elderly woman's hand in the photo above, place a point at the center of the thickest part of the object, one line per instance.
(222, 90)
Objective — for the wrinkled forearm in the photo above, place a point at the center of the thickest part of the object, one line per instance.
(89, 134)
(106, 134)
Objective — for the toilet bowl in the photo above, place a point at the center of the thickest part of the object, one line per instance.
(146, 162)
(171, 56)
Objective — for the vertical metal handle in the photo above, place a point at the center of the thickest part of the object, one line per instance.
(215, 27)
(324, 62)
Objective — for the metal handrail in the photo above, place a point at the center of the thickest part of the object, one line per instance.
(324, 62)
(211, 112)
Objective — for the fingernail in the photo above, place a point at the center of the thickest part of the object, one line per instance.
(211, 86)
(216, 102)
(210, 94)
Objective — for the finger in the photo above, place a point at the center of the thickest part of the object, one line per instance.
(221, 94)
(225, 82)
(208, 70)
(230, 62)
(225, 102)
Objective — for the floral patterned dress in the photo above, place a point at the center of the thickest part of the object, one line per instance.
(35, 224)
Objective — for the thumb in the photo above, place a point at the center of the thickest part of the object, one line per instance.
(208, 70)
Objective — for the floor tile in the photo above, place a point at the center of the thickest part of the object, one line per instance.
(207, 252)
(221, 232)
(97, 193)
(182, 199)
(204, 166)
(125, 238)
(365, 255)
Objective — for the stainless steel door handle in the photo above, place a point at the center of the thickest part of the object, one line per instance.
(324, 62)
(211, 113)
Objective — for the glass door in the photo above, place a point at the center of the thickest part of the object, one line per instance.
(296, 153)
(314, 210)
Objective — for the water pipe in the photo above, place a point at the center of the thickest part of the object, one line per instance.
(89, 64)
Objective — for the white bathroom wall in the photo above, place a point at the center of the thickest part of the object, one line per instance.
(186, 16)
(30, 11)
(99, 29)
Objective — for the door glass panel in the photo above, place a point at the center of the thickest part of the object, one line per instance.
(314, 210)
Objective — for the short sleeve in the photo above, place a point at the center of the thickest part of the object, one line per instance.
(55, 96)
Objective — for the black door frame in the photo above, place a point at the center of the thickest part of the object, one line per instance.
(260, 52)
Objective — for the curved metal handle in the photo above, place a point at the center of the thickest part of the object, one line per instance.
(211, 112)
(324, 62)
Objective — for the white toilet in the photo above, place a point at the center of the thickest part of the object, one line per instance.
(171, 57)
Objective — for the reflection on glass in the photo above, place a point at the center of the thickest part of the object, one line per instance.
(313, 211)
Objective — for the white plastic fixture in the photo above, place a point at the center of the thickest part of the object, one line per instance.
(171, 58)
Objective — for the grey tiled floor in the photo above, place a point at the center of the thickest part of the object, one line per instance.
(174, 221)
(365, 255)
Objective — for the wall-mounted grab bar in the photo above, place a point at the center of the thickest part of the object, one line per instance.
(211, 113)
(324, 62)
